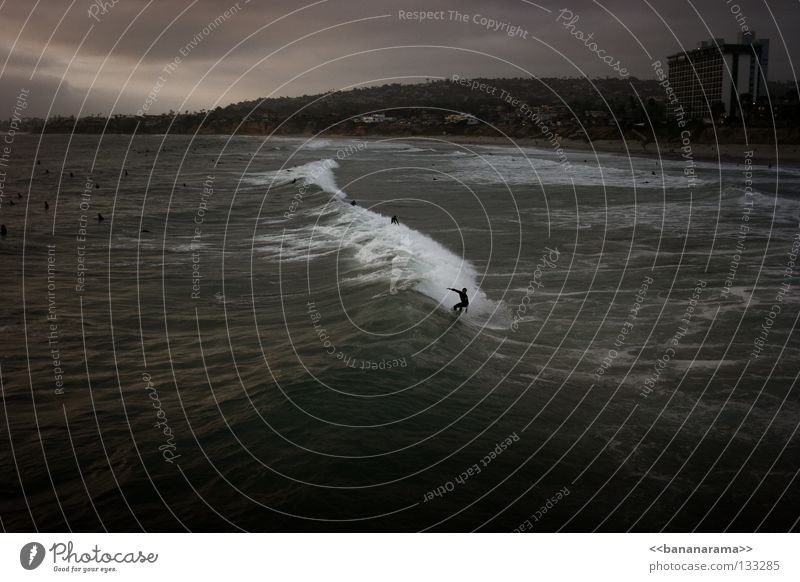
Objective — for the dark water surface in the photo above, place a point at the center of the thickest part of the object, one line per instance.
(246, 350)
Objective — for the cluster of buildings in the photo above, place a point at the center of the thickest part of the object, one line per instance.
(717, 80)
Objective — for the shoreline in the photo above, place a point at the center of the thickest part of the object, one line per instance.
(763, 154)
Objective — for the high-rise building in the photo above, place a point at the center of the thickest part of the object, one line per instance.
(716, 74)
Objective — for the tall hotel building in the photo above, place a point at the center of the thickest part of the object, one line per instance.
(717, 72)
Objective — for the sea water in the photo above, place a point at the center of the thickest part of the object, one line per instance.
(238, 346)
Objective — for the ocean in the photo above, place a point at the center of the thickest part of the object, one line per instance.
(236, 346)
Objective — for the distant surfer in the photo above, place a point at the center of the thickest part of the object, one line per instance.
(353, 203)
(464, 299)
(395, 221)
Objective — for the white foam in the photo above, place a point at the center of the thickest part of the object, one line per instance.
(319, 173)
(317, 144)
(401, 257)
(783, 206)
(415, 150)
(527, 169)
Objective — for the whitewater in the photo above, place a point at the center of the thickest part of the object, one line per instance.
(396, 256)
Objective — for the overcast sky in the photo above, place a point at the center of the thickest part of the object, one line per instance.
(76, 58)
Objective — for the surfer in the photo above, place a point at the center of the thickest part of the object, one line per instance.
(464, 299)
(353, 203)
(395, 221)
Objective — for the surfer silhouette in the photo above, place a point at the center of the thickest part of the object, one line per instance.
(395, 221)
(464, 299)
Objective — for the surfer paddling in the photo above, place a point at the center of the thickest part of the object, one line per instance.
(464, 299)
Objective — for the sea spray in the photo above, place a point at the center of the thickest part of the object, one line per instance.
(400, 256)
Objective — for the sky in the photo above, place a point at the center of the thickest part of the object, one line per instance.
(84, 57)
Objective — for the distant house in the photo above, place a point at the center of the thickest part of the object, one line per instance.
(547, 116)
(428, 118)
(550, 113)
(375, 118)
(461, 118)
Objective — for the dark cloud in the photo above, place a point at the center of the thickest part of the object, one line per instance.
(126, 49)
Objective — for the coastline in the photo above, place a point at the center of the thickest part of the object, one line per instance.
(763, 154)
